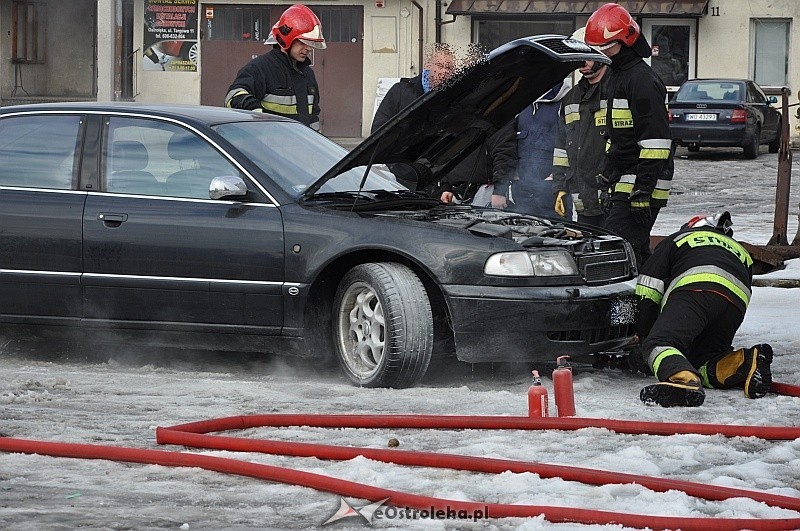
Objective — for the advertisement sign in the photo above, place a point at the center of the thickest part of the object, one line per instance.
(170, 35)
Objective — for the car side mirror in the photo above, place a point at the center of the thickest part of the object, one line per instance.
(227, 186)
(772, 99)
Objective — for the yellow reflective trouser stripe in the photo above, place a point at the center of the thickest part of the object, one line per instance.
(703, 238)
(659, 354)
(232, 94)
(720, 277)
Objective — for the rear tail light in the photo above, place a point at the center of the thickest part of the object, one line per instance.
(739, 116)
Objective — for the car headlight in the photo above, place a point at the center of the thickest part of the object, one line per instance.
(541, 263)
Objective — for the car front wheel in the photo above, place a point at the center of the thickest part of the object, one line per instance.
(383, 326)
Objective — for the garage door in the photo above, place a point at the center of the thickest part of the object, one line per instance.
(232, 35)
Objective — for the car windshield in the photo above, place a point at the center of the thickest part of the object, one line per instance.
(294, 157)
(710, 90)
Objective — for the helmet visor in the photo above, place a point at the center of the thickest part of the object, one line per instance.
(319, 45)
(605, 46)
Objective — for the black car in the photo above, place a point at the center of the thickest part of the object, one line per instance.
(206, 227)
(724, 113)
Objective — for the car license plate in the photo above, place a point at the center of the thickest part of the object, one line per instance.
(623, 310)
(701, 117)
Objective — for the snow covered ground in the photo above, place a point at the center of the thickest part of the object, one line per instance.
(119, 395)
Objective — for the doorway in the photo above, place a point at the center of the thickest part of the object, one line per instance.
(673, 43)
(231, 35)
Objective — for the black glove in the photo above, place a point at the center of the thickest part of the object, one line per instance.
(640, 207)
(636, 361)
(602, 181)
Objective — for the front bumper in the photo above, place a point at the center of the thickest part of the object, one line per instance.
(501, 324)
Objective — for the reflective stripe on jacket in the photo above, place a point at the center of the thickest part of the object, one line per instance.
(580, 144)
(640, 151)
(271, 82)
(698, 259)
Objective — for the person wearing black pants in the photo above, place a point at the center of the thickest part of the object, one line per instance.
(693, 294)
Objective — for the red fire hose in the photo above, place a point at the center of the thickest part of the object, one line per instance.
(194, 435)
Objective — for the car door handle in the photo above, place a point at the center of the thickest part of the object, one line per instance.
(111, 218)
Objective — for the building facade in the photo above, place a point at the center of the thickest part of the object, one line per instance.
(188, 51)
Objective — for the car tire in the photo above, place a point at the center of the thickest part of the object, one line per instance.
(382, 326)
(751, 149)
(775, 145)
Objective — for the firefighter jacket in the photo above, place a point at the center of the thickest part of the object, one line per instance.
(276, 84)
(397, 98)
(696, 259)
(580, 144)
(639, 157)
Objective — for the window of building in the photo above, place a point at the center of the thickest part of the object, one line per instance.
(28, 30)
(233, 23)
(492, 33)
(771, 51)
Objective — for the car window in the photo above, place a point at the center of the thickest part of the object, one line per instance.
(149, 157)
(757, 95)
(710, 90)
(39, 151)
(295, 156)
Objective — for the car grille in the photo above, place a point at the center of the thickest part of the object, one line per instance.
(595, 335)
(605, 265)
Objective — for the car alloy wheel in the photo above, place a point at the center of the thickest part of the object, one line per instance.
(383, 326)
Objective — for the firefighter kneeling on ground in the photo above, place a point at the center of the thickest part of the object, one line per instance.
(693, 293)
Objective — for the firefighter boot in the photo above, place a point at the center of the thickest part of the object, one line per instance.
(681, 389)
(758, 359)
(748, 368)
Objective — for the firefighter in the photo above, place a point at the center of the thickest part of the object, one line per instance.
(693, 294)
(580, 144)
(639, 164)
(281, 81)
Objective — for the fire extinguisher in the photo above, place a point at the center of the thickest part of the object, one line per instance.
(537, 397)
(562, 388)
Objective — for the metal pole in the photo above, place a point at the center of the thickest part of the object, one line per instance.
(781, 223)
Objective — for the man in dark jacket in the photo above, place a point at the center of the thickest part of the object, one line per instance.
(492, 164)
(536, 137)
(693, 294)
(489, 169)
(438, 68)
(281, 81)
(639, 163)
(580, 144)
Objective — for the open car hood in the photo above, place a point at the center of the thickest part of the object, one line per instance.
(441, 127)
